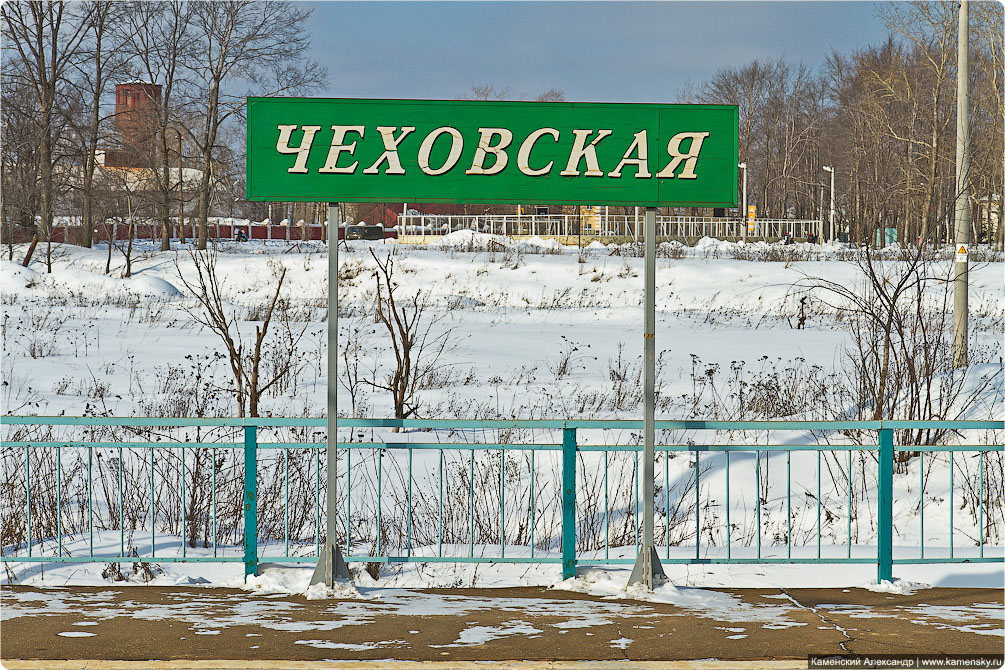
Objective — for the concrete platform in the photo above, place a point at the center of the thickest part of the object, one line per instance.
(530, 628)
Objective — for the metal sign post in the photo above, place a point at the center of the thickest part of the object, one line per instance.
(331, 565)
(648, 570)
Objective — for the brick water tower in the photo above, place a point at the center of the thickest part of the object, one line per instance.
(136, 108)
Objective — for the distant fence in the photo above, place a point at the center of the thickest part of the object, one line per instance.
(600, 225)
(226, 229)
(533, 484)
(431, 225)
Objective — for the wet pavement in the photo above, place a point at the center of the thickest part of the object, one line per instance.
(513, 624)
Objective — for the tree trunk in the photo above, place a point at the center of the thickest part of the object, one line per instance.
(129, 249)
(165, 203)
(45, 194)
(31, 251)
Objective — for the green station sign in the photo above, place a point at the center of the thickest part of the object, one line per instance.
(354, 150)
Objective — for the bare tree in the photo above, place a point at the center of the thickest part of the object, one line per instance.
(988, 104)
(47, 39)
(259, 43)
(551, 95)
(19, 155)
(103, 58)
(417, 351)
(900, 352)
(250, 377)
(127, 193)
(486, 91)
(780, 120)
(162, 44)
(922, 88)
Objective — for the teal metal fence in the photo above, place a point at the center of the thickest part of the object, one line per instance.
(568, 449)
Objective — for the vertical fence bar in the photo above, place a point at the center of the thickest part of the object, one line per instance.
(348, 495)
(90, 502)
(849, 503)
(980, 456)
(439, 534)
(666, 496)
(951, 504)
(885, 506)
(122, 525)
(471, 505)
(697, 502)
(59, 501)
(380, 470)
(568, 503)
(533, 517)
(408, 524)
(788, 497)
(757, 498)
(921, 504)
(502, 503)
(286, 496)
(27, 494)
(153, 508)
(635, 478)
(183, 533)
(819, 529)
(728, 529)
(607, 513)
(317, 502)
(250, 501)
(213, 485)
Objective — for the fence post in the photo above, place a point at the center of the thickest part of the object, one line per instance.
(568, 503)
(250, 501)
(885, 511)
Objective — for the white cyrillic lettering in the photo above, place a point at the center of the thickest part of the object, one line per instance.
(331, 164)
(581, 150)
(642, 162)
(390, 150)
(523, 156)
(689, 159)
(456, 145)
(485, 147)
(302, 152)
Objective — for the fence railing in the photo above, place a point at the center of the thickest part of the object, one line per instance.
(418, 489)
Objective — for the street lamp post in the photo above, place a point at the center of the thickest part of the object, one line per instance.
(830, 168)
(743, 212)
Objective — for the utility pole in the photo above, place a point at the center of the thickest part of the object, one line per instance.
(820, 229)
(962, 219)
(830, 168)
(331, 566)
(743, 212)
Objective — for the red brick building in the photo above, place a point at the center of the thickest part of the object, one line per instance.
(136, 108)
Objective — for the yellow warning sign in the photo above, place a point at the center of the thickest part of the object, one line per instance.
(961, 253)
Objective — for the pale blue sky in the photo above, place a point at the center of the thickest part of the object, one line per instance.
(593, 51)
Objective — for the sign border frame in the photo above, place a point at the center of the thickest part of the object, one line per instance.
(488, 201)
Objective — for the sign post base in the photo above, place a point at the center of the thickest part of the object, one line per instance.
(330, 567)
(648, 570)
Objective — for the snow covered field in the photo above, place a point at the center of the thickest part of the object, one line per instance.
(523, 330)
(513, 314)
